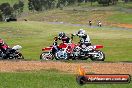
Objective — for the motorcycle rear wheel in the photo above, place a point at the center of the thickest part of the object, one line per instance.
(101, 56)
(20, 56)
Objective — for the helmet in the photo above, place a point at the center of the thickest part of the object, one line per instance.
(81, 31)
(1, 42)
(61, 35)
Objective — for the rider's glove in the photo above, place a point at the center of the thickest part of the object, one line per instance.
(74, 34)
(55, 38)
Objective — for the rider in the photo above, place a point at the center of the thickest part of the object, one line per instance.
(61, 36)
(85, 39)
(3, 46)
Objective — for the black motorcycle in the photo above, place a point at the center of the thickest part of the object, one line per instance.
(12, 53)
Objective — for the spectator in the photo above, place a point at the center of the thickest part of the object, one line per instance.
(99, 23)
(90, 23)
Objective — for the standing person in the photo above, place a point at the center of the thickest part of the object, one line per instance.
(90, 23)
(99, 23)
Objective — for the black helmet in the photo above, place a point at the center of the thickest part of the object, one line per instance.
(61, 35)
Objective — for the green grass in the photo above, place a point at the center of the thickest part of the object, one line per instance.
(47, 79)
(121, 18)
(74, 17)
(125, 5)
(33, 36)
(81, 15)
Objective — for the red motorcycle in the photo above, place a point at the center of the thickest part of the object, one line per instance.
(65, 51)
(60, 52)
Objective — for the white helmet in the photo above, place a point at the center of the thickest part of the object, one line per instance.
(81, 31)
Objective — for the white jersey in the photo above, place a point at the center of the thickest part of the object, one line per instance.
(84, 38)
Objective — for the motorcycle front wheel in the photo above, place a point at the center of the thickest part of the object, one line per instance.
(65, 56)
(100, 56)
(46, 56)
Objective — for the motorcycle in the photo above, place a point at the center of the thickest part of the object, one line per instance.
(60, 52)
(65, 51)
(12, 53)
(84, 52)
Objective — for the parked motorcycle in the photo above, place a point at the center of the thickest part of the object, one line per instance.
(65, 51)
(12, 53)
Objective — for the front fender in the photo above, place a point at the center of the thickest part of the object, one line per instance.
(47, 48)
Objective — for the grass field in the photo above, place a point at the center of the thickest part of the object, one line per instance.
(37, 33)
(47, 79)
(83, 13)
(33, 36)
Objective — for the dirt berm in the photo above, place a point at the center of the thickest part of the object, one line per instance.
(90, 67)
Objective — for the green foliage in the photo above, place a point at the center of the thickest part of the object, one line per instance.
(40, 5)
(104, 2)
(6, 10)
(1, 18)
(121, 18)
(18, 7)
(107, 2)
(21, 6)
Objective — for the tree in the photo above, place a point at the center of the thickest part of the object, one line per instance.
(1, 18)
(71, 1)
(30, 5)
(80, 1)
(40, 5)
(51, 4)
(62, 3)
(104, 2)
(16, 8)
(21, 6)
(6, 10)
(107, 2)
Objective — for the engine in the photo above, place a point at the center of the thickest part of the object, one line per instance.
(76, 51)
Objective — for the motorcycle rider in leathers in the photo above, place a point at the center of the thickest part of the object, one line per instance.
(3, 47)
(61, 36)
(85, 39)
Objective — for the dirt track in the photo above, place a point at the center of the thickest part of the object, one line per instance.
(101, 68)
(123, 25)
